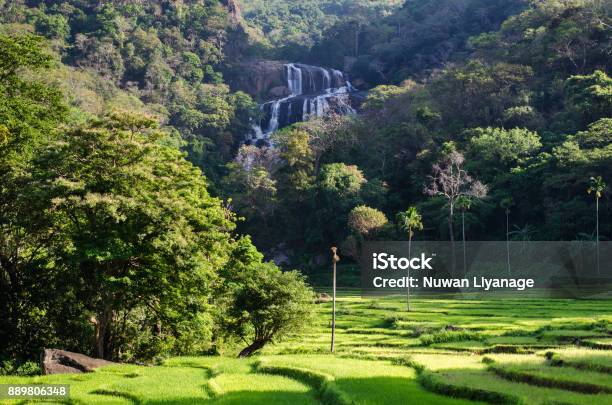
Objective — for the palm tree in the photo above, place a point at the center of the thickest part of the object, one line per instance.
(409, 221)
(464, 203)
(597, 187)
(523, 234)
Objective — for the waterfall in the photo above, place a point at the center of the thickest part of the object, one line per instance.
(294, 79)
(313, 92)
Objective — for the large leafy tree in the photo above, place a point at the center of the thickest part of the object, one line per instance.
(141, 231)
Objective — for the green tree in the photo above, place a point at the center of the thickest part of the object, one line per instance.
(252, 189)
(409, 221)
(590, 96)
(338, 190)
(295, 180)
(498, 149)
(141, 230)
(261, 303)
(30, 112)
(597, 187)
(366, 221)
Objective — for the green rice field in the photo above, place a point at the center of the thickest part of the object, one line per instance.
(444, 351)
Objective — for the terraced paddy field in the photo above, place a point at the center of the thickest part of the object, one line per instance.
(444, 351)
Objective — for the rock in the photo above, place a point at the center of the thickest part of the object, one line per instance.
(55, 361)
(258, 78)
(279, 91)
(322, 297)
(234, 11)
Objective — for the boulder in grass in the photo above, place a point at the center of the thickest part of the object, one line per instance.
(323, 297)
(55, 361)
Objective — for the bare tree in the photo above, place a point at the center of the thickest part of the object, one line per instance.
(250, 157)
(452, 182)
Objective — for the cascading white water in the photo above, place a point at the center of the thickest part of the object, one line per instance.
(294, 79)
(315, 91)
(273, 126)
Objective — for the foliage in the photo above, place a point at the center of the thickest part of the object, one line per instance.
(167, 55)
(377, 364)
(139, 228)
(366, 221)
(262, 304)
(30, 111)
(410, 221)
(416, 37)
(291, 28)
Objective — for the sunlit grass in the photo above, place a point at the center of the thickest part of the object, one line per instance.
(387, 355)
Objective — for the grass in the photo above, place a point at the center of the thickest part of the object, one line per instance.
(540, 372)
(365, 382)
(582, 358)
(127, 384)
(445, 351)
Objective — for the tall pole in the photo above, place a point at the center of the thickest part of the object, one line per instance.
(335, 259)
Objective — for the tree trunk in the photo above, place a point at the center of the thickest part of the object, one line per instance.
(252, 348)
(463, 235)
(102, 344)
(408, 281)
(451, 212)
(452, 238)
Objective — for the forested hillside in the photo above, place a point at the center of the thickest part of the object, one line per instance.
(122, 136)
(520, 89)
(292, 28)
(112, 243)
(518, 99)
(159, 57)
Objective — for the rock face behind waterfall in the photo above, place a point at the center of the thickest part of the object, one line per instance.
(263, 80)
(305, 91)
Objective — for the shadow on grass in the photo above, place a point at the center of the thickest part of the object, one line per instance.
(114, 393)
(243, 398)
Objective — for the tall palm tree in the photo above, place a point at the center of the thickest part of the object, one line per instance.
(409, 221)
(597, 186)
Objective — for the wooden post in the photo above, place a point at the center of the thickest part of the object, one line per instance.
(335, 259)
